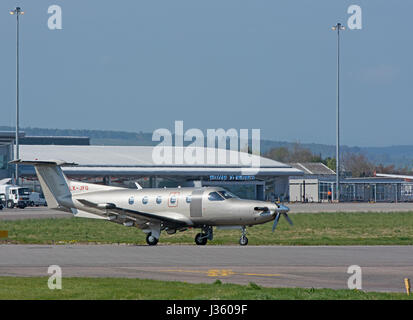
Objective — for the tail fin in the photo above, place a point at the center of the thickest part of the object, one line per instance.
(53, 181)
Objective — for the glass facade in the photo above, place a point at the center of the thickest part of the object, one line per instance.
(365, 191)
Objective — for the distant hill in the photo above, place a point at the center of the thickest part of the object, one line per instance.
(400, 156)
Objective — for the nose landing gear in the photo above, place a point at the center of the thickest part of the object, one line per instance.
(243, 241)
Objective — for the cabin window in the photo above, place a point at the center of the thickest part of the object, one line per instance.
(145, 200)
(188, 199)
(131, 200)
(173, 200)
(158, 199)
(215, 196)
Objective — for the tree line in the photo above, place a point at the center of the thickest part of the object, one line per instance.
(355, 163)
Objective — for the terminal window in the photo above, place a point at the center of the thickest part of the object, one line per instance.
(3, 162)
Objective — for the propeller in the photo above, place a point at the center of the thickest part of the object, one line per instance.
(281, 211)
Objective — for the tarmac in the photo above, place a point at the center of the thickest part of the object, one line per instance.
(383, 268)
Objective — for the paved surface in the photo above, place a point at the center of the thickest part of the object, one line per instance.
(383, 267)
(32, 213)
(41, 212)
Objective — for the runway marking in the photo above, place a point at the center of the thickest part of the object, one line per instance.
(222, 273)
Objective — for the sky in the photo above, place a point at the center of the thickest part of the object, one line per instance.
(140, 65)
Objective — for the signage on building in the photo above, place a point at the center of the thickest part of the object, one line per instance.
(231, 178)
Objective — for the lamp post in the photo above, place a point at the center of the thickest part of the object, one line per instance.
(17, 12)
(338, 27)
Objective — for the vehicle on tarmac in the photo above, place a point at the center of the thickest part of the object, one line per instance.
(36, 199)
(15, 196)
(2, 201)
(154, 209)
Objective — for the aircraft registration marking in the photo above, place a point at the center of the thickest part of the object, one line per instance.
(79, 188)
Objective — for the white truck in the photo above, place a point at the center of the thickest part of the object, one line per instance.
(15, 196)
(37, 199)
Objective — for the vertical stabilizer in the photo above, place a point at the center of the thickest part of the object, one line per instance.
(53, 181)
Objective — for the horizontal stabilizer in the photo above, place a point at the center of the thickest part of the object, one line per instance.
(43, 162)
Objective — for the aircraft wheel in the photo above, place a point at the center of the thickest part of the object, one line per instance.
(201, 239)
(243, 241)
(151, 240)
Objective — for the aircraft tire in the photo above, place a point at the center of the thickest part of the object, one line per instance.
(150, 240)
(243, 241)
(200, 239)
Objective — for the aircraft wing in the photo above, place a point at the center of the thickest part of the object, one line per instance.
(400, 176)
(171, 219)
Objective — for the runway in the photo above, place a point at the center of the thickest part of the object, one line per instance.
(383, 267)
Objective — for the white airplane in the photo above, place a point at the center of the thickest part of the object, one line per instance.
(154, 209)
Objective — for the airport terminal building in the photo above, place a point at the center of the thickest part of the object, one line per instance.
(125, 165)
(128, 164)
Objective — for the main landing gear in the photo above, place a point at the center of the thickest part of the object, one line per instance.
(243, 241)
(151, 240)
(202, 238)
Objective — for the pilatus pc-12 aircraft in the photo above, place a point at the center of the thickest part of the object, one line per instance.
(154, 209)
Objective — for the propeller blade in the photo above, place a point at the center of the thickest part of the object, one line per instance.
(277, 217)
(288, 218)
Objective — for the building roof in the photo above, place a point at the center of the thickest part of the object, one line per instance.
(55, 140)
(8, 137)
(134, 160)
(313, 168)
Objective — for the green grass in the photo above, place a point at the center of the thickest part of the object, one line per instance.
(119, 288)
(370, 228)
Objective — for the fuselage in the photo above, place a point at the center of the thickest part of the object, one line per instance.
(200, 206)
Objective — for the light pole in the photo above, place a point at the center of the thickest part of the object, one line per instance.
(17, 12)
(337, 28)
